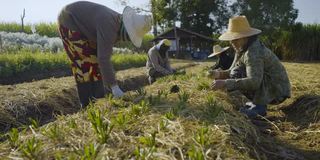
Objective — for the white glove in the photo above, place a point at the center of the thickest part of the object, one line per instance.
(116, 91)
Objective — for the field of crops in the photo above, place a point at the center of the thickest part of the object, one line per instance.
(25, 66)
(155, 122)
(177, 117)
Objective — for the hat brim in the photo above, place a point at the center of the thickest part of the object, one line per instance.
(128, 20)
(217, 53)
(229, 36)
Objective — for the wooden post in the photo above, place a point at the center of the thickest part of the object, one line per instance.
(22, 18)
(177, 42)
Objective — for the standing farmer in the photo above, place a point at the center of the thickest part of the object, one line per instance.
(158, 62)
(256, 71)
(89, 32)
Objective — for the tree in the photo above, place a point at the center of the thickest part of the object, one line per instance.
(204, 16)
(266, 15)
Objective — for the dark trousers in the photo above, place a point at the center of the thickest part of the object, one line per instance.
(90, 91)
(153, 75)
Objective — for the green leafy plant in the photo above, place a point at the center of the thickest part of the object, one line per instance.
(54, 132)
(121, 119)
(183, 97)
(31, 149)
(101, 127)
(150, 143)
(90, 152)
(171, 115)
(195, 153)
(13, 138)
(202, 136)
(139, 109)
(34, 123)
(213, 109)
(203, 85)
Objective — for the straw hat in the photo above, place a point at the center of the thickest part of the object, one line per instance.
(238, 27)
(217, 49)
(136, 25)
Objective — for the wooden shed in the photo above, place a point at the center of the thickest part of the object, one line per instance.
(187, 44)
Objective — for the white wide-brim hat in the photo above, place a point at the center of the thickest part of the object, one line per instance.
(238, 27)
(136, 25)
(217, 49)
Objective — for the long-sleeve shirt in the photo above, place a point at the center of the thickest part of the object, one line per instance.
(266, 77)
(156, 62)
(99, 24)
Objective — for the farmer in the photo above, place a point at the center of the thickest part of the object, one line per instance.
(158, 62)
(256, 71)
(89, 31)
(225, 59)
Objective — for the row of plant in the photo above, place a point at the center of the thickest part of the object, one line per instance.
(160, 125)
(14, 64)
(43, 29)
(13, 42)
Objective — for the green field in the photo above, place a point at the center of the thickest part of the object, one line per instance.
(26, 65)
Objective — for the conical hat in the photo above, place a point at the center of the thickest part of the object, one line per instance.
(136, 25)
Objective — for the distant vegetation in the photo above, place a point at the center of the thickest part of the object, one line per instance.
(33, 63)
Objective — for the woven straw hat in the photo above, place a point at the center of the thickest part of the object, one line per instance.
(217, 49)
(238, 27)
(136, 25)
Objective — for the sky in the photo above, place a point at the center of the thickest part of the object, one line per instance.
(47, 10)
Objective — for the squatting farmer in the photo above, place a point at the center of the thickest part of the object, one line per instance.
(256, 71)
(224, 60)
(89, 31)
(158, 62)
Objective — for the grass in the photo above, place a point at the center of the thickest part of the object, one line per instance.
(34, 63)
(191, 124)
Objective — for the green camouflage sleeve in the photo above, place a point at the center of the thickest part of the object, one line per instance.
(253, 62)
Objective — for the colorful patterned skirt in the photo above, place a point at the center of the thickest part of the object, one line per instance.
(83, 55)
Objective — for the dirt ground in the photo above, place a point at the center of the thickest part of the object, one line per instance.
(291, 130)
(44, 99)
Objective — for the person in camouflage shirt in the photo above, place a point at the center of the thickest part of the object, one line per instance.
(256, 71)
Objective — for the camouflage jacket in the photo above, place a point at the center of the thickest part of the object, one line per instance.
(266, 78)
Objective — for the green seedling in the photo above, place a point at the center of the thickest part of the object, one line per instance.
(102, 128)
(150, 143)
(202, 136)
(195, 154)
(139, 109)
(183, 97)
(13, 138)
(34, 123)
(31, 149)
(121, 119)
(213, 109)
(90, 152)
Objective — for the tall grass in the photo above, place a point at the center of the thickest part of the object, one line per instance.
(298, 42)
(13, 64)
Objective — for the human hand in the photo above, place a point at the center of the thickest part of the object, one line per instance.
(116, 91)
(218, 84)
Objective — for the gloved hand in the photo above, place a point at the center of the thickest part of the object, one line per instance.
(116, 91)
